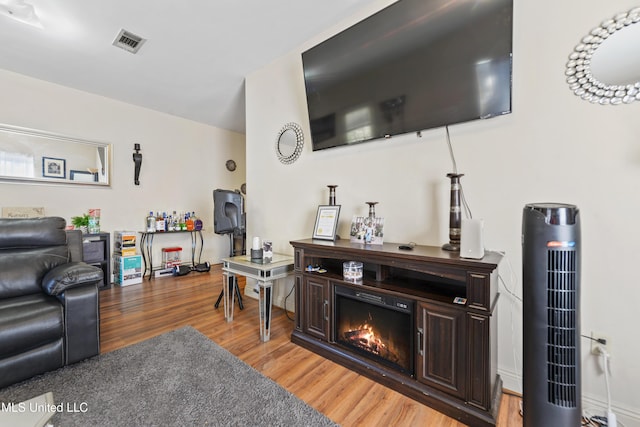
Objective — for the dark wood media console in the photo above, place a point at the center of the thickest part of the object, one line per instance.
(451, 360)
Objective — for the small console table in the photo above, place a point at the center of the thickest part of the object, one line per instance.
(440, 307)
(265, 273)
(146, 247)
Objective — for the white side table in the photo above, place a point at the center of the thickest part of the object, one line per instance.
(264, 273)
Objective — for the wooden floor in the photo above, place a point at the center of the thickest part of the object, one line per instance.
(138, 312)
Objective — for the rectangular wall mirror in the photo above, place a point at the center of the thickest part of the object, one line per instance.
(28, 155)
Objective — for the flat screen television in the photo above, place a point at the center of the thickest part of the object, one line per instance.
(414, 65)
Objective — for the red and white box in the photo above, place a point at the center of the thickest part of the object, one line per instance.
(171, 257)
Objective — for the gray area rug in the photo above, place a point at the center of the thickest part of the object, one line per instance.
(180, 378)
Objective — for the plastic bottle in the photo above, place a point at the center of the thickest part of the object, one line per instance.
(169, 223)
(189, 221)
(151, 223)
(175, 222)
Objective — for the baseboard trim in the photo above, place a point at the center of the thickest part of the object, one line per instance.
(590, 404)
(626, 416)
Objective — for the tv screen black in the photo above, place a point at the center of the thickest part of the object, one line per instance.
(415, 65)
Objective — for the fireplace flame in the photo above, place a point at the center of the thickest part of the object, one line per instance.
(373, 341)
(375, 337)
(365, 338)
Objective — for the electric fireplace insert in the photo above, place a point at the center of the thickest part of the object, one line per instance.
(377, 326)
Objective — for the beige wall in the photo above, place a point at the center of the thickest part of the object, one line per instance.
(183, 161)
(553, 147)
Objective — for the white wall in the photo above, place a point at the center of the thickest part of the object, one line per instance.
(183, 161)
(554, 147)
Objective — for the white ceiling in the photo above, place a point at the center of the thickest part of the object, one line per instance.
(194, 60)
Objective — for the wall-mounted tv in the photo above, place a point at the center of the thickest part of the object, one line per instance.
(414, 65)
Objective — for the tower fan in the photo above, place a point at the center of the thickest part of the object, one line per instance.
(551, 315)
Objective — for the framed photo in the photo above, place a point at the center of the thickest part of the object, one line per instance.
(54, 168)
(83, 176)
(326, 222)
(367, 230)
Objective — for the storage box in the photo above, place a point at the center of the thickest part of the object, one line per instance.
(124, 240)
(127, 270)
(93, 250)
(127, 251)
(171, 257)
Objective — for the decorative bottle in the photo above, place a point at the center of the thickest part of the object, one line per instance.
(159, 222)
(197, 222)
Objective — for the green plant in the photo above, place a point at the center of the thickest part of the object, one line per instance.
(80, 221)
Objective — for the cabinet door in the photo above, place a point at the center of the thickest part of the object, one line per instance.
(441, 356)
(298, 299)
(316, 307)
(479, 381)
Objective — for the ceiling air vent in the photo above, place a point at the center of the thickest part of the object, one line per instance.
(128, 41)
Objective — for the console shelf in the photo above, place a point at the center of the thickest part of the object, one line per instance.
(454, 327)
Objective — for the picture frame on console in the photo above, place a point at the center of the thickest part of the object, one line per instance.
(366, 229)
(326, 223)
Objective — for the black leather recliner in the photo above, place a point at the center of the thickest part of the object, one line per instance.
(49, 314)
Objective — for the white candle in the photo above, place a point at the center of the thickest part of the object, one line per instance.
(256, 243)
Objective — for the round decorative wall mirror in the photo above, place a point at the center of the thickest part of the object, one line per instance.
(289, 143)
(605, 67)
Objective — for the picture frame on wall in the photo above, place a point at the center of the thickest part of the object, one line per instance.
(326, 223)
(54, 168)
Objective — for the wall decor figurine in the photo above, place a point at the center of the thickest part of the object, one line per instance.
(137, 159)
